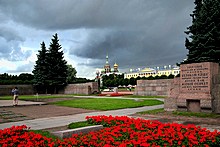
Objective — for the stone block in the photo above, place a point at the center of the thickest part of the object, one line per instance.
(153, 87)
(216, 106)
(193, 105)
(68, 133)
(170, 104)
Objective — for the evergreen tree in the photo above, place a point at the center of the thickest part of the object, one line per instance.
(204, 33)
(57, 66)
(41, 68)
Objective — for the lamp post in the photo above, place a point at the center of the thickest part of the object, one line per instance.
(98, 79)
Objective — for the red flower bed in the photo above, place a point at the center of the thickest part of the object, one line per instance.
(116, 94)
(20, 136)
(120, 131)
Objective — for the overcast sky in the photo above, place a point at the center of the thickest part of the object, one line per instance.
(134, 33)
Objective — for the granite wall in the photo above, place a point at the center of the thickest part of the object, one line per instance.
(153, 87)
(83, 88)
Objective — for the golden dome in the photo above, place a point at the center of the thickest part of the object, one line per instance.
(115, 65)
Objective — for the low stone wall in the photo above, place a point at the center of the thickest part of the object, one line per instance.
(83, 88)
(23, 89)
(159, 87)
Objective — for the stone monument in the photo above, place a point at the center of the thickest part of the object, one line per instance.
(196, 90)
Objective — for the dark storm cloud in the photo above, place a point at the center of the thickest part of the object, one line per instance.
(132, 32)
(59, 14)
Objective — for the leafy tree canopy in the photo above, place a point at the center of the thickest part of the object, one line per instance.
(71, 78)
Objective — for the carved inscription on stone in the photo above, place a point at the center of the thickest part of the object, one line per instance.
(195, 78)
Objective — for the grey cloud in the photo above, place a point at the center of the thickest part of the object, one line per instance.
(133, 32)
(12, 51)
(26, 68)
(68, 14)
(9, 34)
(10, 42)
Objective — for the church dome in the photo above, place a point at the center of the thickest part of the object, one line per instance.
(115, 65)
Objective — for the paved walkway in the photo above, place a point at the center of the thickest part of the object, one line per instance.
(50, 122)
(9, 103)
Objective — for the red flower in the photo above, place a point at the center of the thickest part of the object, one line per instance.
(119, 131)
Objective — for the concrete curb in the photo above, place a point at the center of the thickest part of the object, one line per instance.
(68, 133)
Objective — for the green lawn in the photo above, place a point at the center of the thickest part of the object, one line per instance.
(106, 103)
(139, 96)
(182, 113)
(197, 114)
(31, 97)
(155, 111)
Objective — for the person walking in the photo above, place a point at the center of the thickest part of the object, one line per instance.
(15, 93)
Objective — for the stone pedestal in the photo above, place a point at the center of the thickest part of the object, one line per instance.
(199, 88)
(170, 103)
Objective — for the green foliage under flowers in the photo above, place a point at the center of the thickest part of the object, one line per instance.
(44, 133)
(79, 124)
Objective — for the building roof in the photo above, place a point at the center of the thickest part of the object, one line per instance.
(115, 65)
(147, 70)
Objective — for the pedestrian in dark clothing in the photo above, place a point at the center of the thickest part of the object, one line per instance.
(15, 93)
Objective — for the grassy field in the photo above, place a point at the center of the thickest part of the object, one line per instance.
(198, 114)
(155, 111)
(139, 96)
(181, 113)
(106, 104)
(31, 97)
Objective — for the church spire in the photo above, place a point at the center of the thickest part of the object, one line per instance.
(107, 66)
(106, 59)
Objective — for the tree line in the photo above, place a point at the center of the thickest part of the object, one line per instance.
(114, 80)
(26, 78)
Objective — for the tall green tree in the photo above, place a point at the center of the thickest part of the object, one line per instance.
(71, 72)
(203, 43)
(41, 68)
(57, 65)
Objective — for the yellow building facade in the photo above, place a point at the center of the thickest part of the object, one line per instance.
(146, 72)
